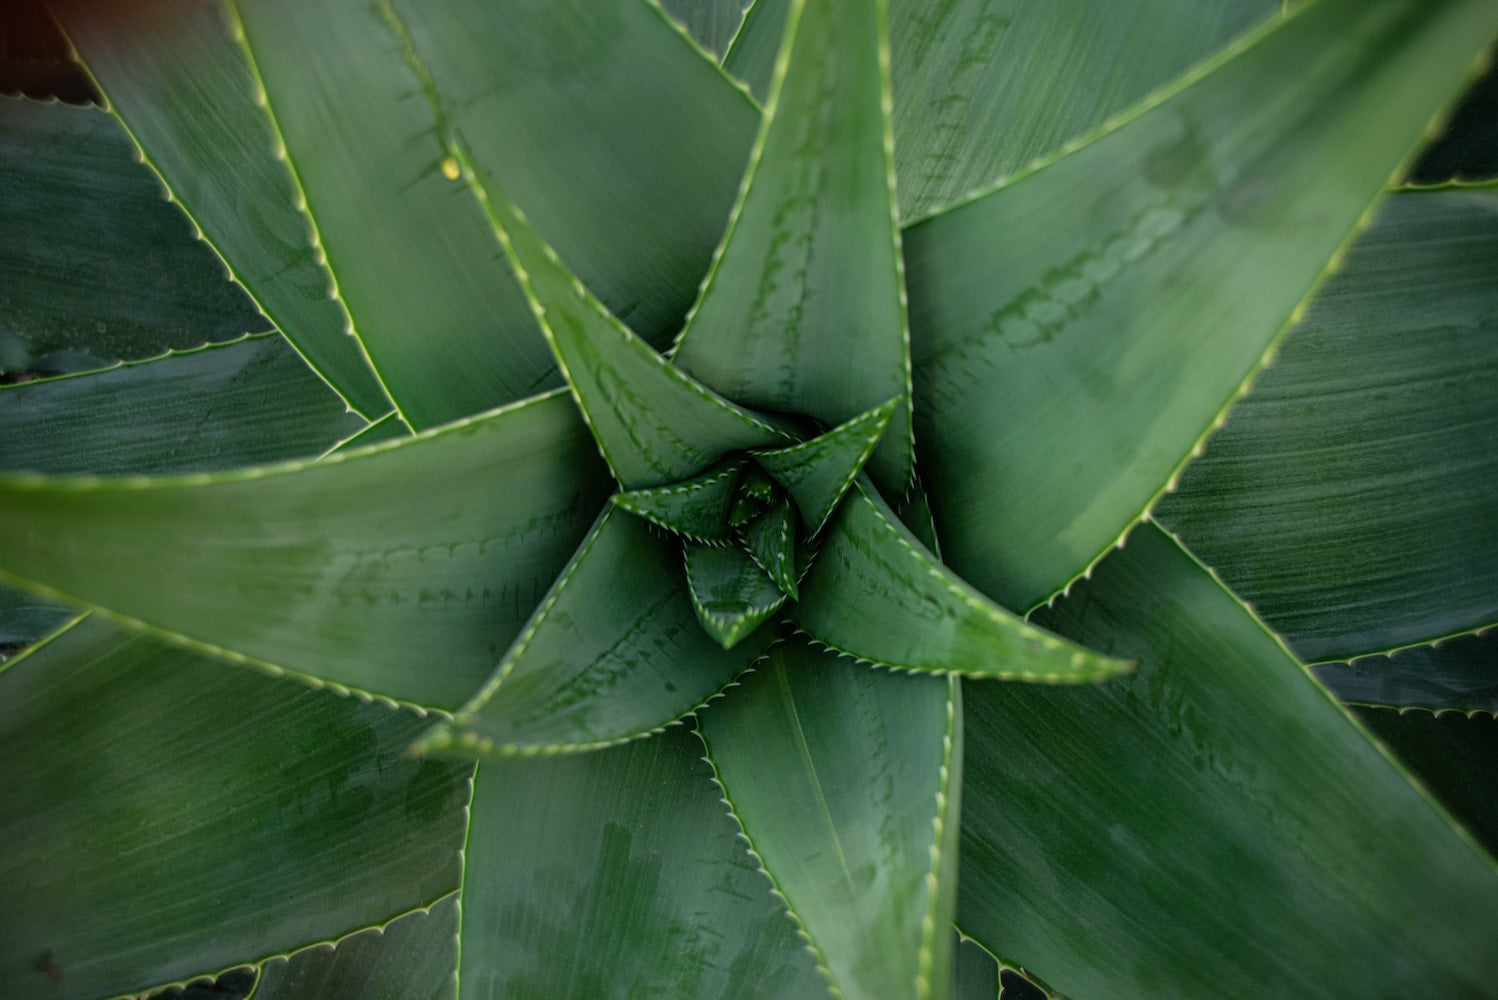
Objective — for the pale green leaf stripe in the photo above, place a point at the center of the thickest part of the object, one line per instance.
(1459, 674)
(411, 958)
(403, 571)
(246, 402)
(846, 784)
(1352, 496)
(146, 788)
(1089, 323)
(624, 879)
(981, 93)
(804, 309)
(613, 653)
(184, 87)
(95, 266)
(644, 138)
(878, 594)
(1216, 804)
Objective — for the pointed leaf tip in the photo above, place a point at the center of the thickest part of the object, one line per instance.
(817, 473)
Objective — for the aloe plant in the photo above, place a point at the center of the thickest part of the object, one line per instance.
(552, 504)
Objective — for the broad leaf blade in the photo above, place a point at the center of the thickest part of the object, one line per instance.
(695, 508)
(876, 593)
(613, 653)
(402, 571)
(624, 880)
(1088, 323)
(804, 309)
(845, 781)
(1216, 804)
(1460, 674)
(1352, 496)
(818, 472)
(95, 266)
(306, 813)
(731, 593)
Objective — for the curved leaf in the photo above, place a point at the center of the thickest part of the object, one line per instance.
(804, 309)
(1089, 322)
(146, 787)
(1216, 804)
(1460, 674)
(1352, 496)
(818, 472)
(403, 570)
(731, 592)
(845, 783)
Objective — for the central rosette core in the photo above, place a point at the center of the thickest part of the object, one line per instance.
(750, 524)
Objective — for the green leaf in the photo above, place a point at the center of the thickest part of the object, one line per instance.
(845, 782)
(624, 880)
(182, 81)
(818, 472)
(1088, 322)
(731, 593)
(876, 593)
(1460, 674)
(387, 428)
(413, 957)
(804, 309)
(246, 402)
(95, 266)
(147, 789)
(644, 138)
(403, 570)
(1466, 152)
(1215, 804)
(770, 541)
(712, 23)
(1352, 496)
(25, 618)
(696, 508)
(654, 424)
(613, 653)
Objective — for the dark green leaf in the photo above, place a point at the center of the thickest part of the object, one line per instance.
(613, 653)
(696, 508)
(804, 309)
(771, 543)
(1352, 496)
(167, 816)
(731, 593)
(25, 617)
(1460, 674)
(976, 974)
(387, 428)
(96, 267)
(818, 472)
(1087, 324)
(1467, 149)
(875, 592)
(402, 571)
(845, 782)
(1217, 805)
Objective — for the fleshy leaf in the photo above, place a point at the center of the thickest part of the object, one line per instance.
(696, 508)
(711, 23)
(1459, 674)
(876, 593)
(1215, 804)
(804, 309)
(95, 267)
(654, 424)
(432, 550)
(623, 879)
(613, 653)
(846, 782)
(731, 593)
(818, 472)
(25, 618)
(770, 541)
(145, 785)
(1352, 495)
(1148, 272)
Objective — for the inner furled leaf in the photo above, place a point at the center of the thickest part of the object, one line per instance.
(1459, 674)
(613, 653)
(804, 309)
(818, 472)
(1078, 332)
(877, 593)
(731, 593)
(247, 402)
(1352, 496)
(1215, 804)
(846, 782)
(770, 541)
(617, 874)
(95, 267)
(654, 424)
(189, 94)
(429, 552)
(696, 508)
(146, 785)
